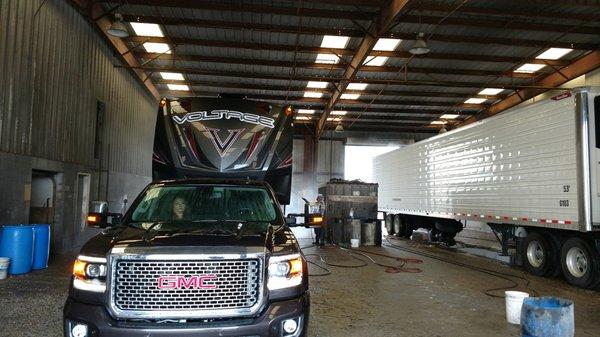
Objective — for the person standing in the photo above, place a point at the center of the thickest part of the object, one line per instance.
(318, 207)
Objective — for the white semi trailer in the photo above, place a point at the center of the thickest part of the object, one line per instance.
(531, 173)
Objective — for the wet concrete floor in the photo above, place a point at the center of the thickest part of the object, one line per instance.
(441, 300)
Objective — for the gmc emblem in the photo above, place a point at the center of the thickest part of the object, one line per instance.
(182, 282)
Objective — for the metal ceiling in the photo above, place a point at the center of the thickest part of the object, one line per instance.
(266, 50)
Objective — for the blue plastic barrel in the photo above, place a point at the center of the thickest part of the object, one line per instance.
(41, 245)
(16, 243)
(547, 317)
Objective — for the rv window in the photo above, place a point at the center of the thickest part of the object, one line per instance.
(597, 120)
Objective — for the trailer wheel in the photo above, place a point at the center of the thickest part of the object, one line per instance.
(580, 263)
(398, 225)
(541, 256)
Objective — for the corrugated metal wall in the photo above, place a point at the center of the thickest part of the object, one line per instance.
(53, 68)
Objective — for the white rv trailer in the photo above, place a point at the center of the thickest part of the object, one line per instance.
(534, 167)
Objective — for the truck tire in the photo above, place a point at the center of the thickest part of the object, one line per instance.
(580, 263)
(540, 254)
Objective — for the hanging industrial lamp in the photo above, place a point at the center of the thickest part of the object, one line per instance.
(420, 46)
(339, 128)
(118, 28)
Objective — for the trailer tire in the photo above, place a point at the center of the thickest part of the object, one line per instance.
(389, 223)
(403, 226)
(580, 263)
(540, 254)
(398, 225)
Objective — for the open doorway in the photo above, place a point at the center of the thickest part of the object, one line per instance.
(41, 208)
(359, 161)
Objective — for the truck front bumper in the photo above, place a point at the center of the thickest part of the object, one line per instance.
(269, 324)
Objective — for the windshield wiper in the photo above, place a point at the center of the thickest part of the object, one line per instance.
(148, 230)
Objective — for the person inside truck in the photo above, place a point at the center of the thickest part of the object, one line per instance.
(179, 207)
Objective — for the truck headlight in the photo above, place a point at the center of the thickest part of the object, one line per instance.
(285, 271)
(90, 273)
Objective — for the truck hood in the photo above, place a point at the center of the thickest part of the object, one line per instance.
(280, 241)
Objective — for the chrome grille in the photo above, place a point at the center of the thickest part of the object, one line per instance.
(236, 285)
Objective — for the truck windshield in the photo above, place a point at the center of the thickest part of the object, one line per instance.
(205, 204)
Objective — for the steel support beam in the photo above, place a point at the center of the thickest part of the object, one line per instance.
(379, 26)
(318, 31)
(505, 11)
(580, 67)
(327, 67)
(94, 10)
(237, 74)
(342, 52)
(501, 24)
(253, 8)
(404, 93)
(323, 102)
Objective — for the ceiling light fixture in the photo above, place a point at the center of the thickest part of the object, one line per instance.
(118, 28)
(333, 41)
(317, 84)
(384, 44)
(147, 29)
(529, 68)
(180, 87)
(172, 76)
(554, 53)
(449, 116)
(357, 86)
(339, 128)
(155, 47)
(313, 94)
(327, 58)
(420, 46)
(475, 100)
(490, 91)
(350, 96)
(306, 111)
(339, 112)
(375, 61)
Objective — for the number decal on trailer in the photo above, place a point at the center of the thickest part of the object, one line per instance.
(564, 203)
(566, 188)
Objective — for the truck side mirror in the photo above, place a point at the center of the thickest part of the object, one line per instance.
(103, 220)
(97, 220)
(100, 207)
(291, 221)
(99, 217)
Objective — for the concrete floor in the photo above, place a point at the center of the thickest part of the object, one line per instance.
(442, 300)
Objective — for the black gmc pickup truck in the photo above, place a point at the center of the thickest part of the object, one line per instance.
(192, 258)
(205, 250)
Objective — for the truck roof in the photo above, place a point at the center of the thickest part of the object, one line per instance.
(217, 181)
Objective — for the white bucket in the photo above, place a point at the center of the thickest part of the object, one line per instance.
(4, 262)
(354, 243)
(514, 302)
